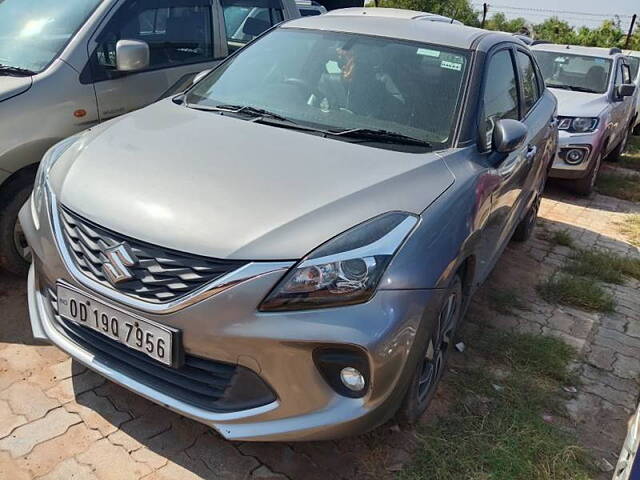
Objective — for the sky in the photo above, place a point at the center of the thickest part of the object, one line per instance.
(578, 12)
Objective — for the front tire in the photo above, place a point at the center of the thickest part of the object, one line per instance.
(432, 361)
(616, 153)
(584, 186)
(15, 254)
(527, 225)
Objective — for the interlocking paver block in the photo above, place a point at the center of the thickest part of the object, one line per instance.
(28, 400)
(70, 469)
(24, 438)
(8, 419)
(66, 390)
(47, 455)
(98, 412)
(110, 462)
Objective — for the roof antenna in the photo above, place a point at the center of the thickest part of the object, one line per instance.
(454, 16)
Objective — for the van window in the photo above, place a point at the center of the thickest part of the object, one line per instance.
(245, 20)
(500, 92)
(34, 32)
(177, 31)
(634, 63)
(529, 81)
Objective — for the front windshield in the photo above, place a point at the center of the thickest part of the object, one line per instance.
(574, 72)
(32, 32)
(337, 81)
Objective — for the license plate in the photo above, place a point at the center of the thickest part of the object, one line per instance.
(153, 340)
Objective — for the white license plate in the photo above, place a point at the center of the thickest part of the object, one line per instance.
(142, 335)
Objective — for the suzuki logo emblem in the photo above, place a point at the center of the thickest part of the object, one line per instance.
(119, 257)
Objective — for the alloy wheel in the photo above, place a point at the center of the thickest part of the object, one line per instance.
(434, 360)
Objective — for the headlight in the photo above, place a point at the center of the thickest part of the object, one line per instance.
(578, 124)
(346, 269)
(47, 162)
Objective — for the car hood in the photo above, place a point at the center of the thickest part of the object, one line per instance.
(579, 104)
(225, 187)
(12, 86)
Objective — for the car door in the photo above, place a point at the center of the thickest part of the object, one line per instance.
(619, 109)
(502, 98)
(184, 38)
(244, 20)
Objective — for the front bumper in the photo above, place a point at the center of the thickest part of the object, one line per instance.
(561, 169)
(278, 347)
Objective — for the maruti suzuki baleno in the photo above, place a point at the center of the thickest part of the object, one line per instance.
(285, 250)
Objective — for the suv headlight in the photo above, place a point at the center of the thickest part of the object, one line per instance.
(47, 162)
(578, 124)
(345, 270)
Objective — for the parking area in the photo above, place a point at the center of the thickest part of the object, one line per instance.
(59, 420)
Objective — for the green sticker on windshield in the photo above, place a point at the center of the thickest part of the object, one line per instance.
(451, 65)
(428, 52)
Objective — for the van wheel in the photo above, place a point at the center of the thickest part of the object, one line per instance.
(617, 152)
(15, 254)
(584, 186)
(527, 225)
(431, 363)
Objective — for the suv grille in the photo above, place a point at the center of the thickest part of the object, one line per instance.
(200, 382)
(159, 275)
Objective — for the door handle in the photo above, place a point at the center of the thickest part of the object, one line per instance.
(531, 152)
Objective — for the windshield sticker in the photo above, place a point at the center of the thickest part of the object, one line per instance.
(451, 65)
(428, 52)
(560, 60)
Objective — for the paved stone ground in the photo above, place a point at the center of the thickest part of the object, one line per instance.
(59, 420)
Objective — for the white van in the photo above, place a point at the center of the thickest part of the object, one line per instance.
(68, 65)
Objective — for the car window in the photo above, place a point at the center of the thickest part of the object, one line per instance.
(529, 81)
(500, 97)
(342, 81)
(244, 21)
(634, 64)
(574, 72)
(626, 74)
(177, 32)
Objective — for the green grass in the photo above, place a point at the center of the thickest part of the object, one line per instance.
(561, 237)
(619, 185)
(581, 292)
(603, 265)
(505, 300)
(631, 227)
(500, 434)
(631, 157)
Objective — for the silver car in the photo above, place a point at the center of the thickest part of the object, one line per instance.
(284, 252)
(596, 107)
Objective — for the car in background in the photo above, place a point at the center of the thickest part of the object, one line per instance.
(391, 12)
(284, 251)
(310, 8)
(633, 57)
(596, 108)
(68, 65)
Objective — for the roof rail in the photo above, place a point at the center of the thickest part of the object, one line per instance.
(614, 50)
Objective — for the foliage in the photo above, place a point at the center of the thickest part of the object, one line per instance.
(608, 34)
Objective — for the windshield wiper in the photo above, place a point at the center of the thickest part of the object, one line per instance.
(380, 135)
(241, 109)
(573, 88)
(9, 70)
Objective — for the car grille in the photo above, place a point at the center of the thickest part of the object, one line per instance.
(160, 275)
(202, 383)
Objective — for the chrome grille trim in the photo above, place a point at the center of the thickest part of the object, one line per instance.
(244, 273)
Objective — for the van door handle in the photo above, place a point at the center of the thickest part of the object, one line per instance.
(531, 152)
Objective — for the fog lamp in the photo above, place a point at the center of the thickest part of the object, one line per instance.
(574, 156)
(352, 379)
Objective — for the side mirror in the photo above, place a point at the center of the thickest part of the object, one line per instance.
(200, 76)
(132, 55)
(508, 135)
(625, 90)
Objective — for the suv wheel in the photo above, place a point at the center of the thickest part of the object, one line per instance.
(15, 254)
(431, 364)
(527, 225)
(617, 152)
(584, 186)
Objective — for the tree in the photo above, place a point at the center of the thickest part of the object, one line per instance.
(458, 9)
(499, 22)
(555, 30)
